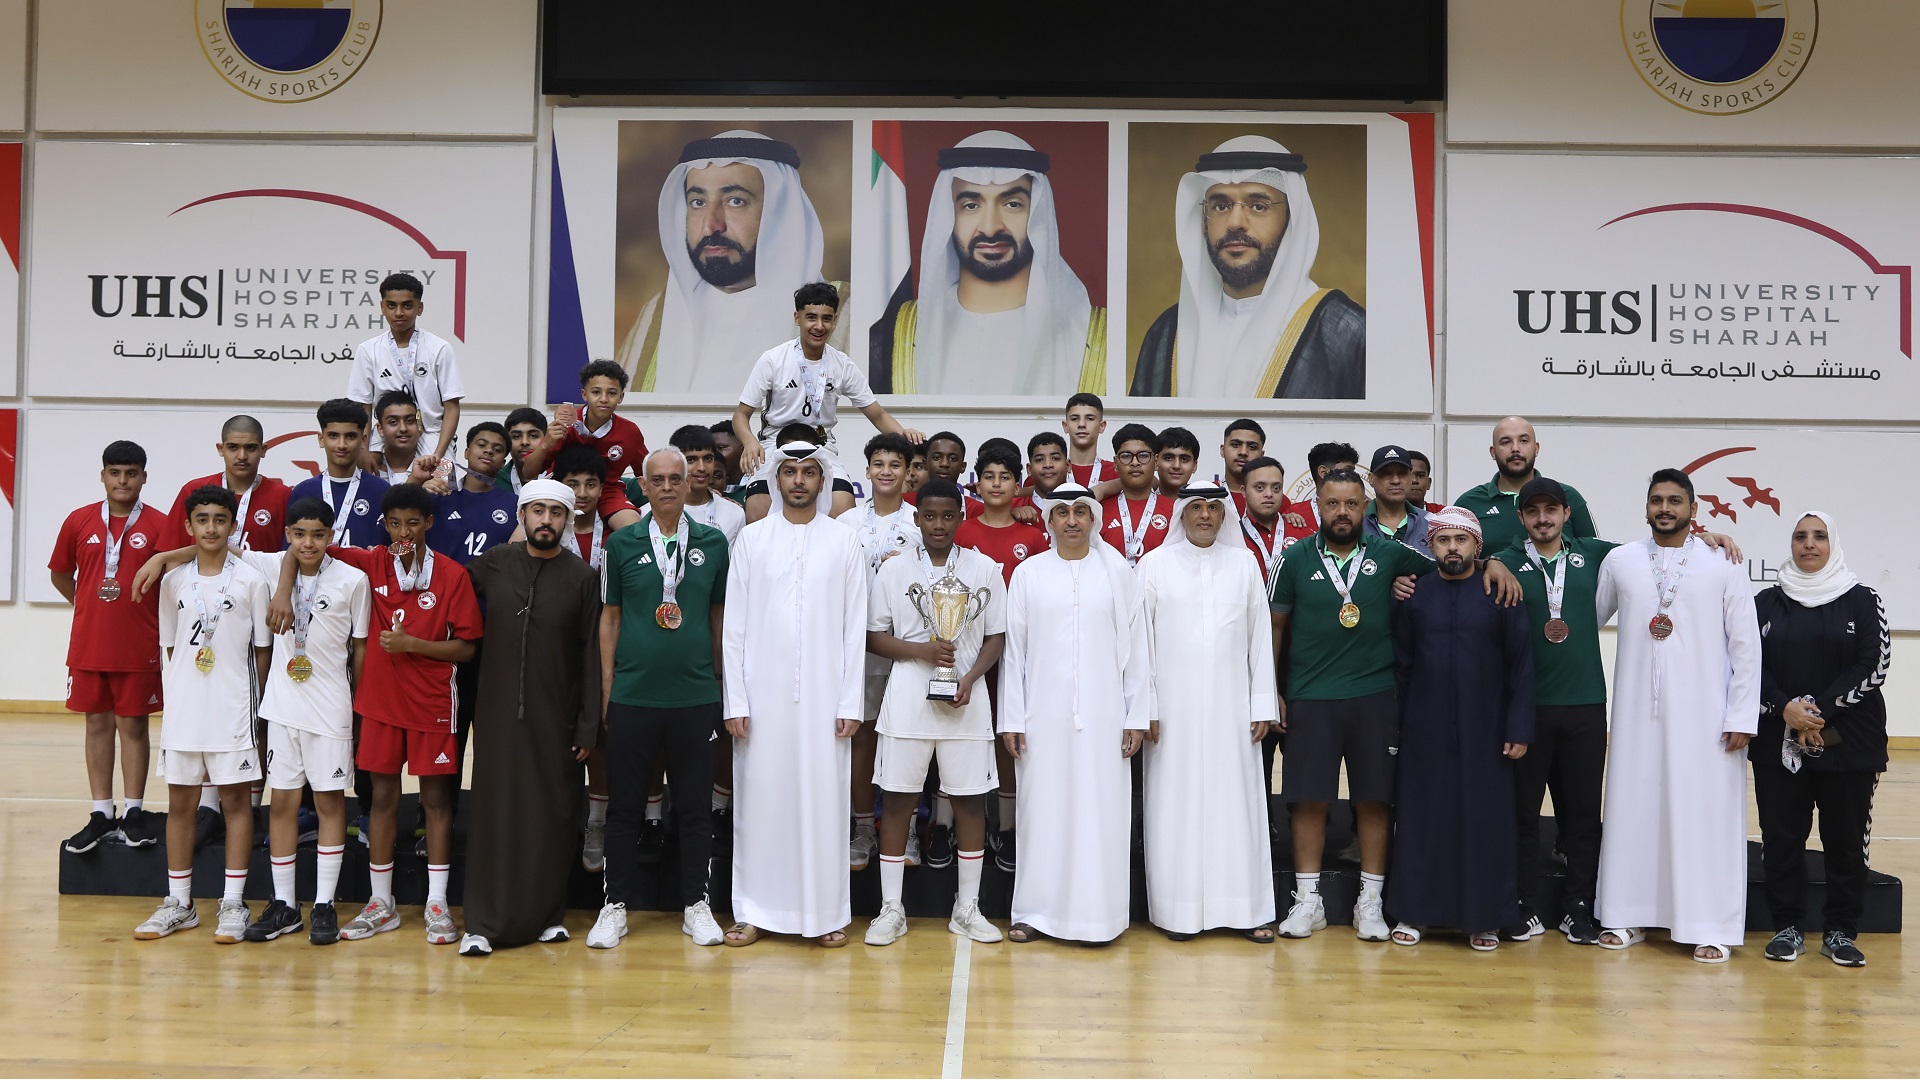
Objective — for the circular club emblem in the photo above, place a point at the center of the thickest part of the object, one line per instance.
(1019, 551)
(360, 508)
(1369, 568)
(321, 603)
(420, 371)
(1577, 559)
(1288, 541)
(1159, 521)
(263, 517)
(613, 453)
(1719, 57)
(284, 52)
(137, 541)
(697, 557)
(426, 600)
(499, 517)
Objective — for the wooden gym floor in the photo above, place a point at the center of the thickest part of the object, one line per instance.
(79, 996)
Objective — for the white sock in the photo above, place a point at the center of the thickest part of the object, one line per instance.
(656, 807)
(437, 883)
(1006, 811)
(381, 880)
(209, 796)
(326, 876)
(180, 885)
(283, 873)
(864, 819)
(971, 863)
(943, 810)
(255, 795)
(893, 870)
(103, 806)
(136, 804)
(236, 885)
(1305, 885)
(596, 809)
(722, 797)
(1371, 884)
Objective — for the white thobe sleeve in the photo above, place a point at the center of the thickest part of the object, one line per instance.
(1606, 593)
(853, 631)
(1266, 690)
(1136, 678)
(733, 629)
(1743, 653)
(1013, 662)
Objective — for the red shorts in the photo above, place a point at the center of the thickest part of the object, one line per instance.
(384, 748)
(122, 693)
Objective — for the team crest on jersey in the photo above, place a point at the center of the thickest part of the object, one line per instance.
(697, 557)
(420, 371)
(426, 600)
(1576, 559)
(360, 508)
(281, 51)
(499, 517)
(1159, 521)
(263, 517)
(613, 453)
(226, 604)
(1020, 551)
(1369, 568)
(137, 541)
(321, 603)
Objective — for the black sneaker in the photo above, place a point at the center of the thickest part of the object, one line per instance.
(99, 827)
(1003, 850)
(1786, 946)
(653, 841)
(208, 827)
(139, 828)
(278, 919)
(1527, 928)
(1578, 924)
(1839, 948)
(325, 928)
(936, 851)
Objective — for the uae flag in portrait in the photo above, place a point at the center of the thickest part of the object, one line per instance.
(889, 190)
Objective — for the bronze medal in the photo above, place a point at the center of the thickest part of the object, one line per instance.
(109, 590)
(300, 669)
(1661, 628)
(668, 616)
(204, 659)
(400, 549)
(1556, 630)
(1349, 615)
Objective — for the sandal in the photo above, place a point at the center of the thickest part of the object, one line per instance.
(1260, 935)
(1720, 954)
(832, 939)
(1020, 933)
(746, 935)
(1405, 934)
(1485, 942)
(1622, 939)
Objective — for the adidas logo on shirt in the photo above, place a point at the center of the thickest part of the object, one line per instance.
(246, 766)
(153, 699)
(442, 759)
(339, 773)
(455, 516)
(381, 589)
(94, 539)
(1317, 576)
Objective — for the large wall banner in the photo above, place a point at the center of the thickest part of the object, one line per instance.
(1698, 72)
(1719, 288)
(339, 66)
(1004, 256)
(249, 272)
(1753, 484)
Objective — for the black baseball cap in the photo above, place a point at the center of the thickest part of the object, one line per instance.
(1542, 488)
(1391, 455)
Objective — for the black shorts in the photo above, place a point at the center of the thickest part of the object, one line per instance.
(759, 487)
(1365, 732)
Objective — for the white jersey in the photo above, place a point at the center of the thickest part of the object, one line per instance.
(906, 712)
(779, 386)
(426, 367)
(881, 536)
(211, 711)
(342, 606)
(722, 513)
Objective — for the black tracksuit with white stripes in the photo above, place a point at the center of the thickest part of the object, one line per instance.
(1838, 653)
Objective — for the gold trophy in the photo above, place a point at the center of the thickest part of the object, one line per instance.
(954, 605)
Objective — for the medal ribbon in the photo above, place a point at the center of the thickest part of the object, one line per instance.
(344, 510)
(1269, 553)
(593, 555)
(1666, 581)
(113, 543)
(673, 569)
(1353, 570)
(238, 540)
(815, 387)
(209, 623)
(303, 604)
(1557, 582)
(403, 361)
(418, 579)
(1134, 533)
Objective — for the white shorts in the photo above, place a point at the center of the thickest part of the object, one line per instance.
(192, 767)
(966, 765)
(296, 758)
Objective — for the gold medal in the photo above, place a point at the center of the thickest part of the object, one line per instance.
(300, 669)
(668, 616)
(109, 590)
(204, 659)
(1349, 615)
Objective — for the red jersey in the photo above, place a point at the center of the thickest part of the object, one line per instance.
(263, 513)
(118, 634)
(1008, 545)
(970, 507)
(1290, 533)
(623, 446)
(1434, 508)
(409, 691)
(1151, 516)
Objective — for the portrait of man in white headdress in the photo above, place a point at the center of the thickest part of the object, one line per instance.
(738, 234)
(998, 309)
(1251, 321)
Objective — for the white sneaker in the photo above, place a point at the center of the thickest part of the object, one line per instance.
(593, 849)
(171, 915)
(968, 922)
(377, 917)
(1370, 919)
(913, 840)
(1304, 917)
(232, 926)
(609, 928)
(889, 926)
(860, 849)
(440, 928)
(475, 945)
(697, 922)
(554, 934)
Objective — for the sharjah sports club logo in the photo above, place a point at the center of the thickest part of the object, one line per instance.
(1019, 551)
(137, 541)
(287, 50)
(361, 507)
(426, 601)
(697, 557)
(499, 517)
(1159, 521)
(263, 518)
(613, 453)
(1719, 57)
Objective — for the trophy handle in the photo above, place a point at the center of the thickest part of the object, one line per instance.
(982, 595)
(916, 593)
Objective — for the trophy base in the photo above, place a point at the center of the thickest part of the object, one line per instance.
(947, 690)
